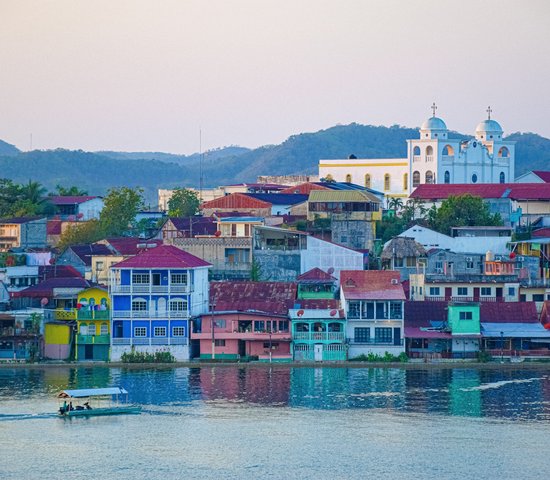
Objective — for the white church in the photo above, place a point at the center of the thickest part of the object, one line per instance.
(432, 158)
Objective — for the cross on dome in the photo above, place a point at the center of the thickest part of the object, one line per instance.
(489, 110)
(434, 108)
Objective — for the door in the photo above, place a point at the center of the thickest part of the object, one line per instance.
(88, 352)
(161, 306)
(476, 294)
(448, 293)
(318, 353)
(156, 279)
(242, 348)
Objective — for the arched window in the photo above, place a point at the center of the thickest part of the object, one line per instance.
(429, 151)
(139, 305)
(447, 177)
(104, 329)
(91, 329)
(448, 150)
(367, 180)
(178, 305)
(405, 181)
(429, 177)
(386, 182)
(502, 178)
(416, 179)
(83, 329)
(416, 151)
(503, 152)
(348, 178)
(474, 178)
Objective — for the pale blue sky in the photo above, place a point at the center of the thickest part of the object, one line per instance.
(144, 75)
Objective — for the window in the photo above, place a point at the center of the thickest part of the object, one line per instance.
(219, 323)
(139, 305)
(368, 310)
(448, 150)
(259, 326)
(486, 291)
(383, 335)
(160, 331)
(99, 266)
(434, 291)
(439, 265)
(462, 291)
(503, 152)
(178, 278)
(470, 264)
(447, 176)
(361, 335)
(219, 343)
(104, 329)
(386, 181)
(416, 151)
(348, 178)
(466, 315)
(502, 177)
(416, 179)
(405, 181)
(178, 305)
(274, 345)
(354, 309)
(395, 310)
(511, 291)
(178, 331)
(367, 180)
(429, 177)
(91, 329)
(283, 325)
(538, 297)
(140, 278)
(429, 151)
(140, 332)
(474, 178)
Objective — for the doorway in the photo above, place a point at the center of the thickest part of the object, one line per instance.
(318, 352)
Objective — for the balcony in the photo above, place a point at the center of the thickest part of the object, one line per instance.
(92, 314)
(150, 289)
(93, 339)
(319, 336)
(149, 314)
(150, 341)
(60, 314)
(416, 158)
(260, 336)
(374, 341)
(429, 158)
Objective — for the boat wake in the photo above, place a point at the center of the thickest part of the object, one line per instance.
(489, 386)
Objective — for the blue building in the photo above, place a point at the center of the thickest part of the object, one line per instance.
(153, 295)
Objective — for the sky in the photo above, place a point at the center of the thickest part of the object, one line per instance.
(138, 75)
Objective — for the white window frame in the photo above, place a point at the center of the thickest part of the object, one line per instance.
(159, 331)
(104, 329)
(141, 277)
(91, 329)
(178, 302)
(178, 331)
(140, 332)
(140, 301)
(174, 278)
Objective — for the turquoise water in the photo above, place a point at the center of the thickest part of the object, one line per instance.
(280, 422)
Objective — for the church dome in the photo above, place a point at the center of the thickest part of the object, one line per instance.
(491, 126)
(434, 123)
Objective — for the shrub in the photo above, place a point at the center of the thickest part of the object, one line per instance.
(386, 358)
(159, 356)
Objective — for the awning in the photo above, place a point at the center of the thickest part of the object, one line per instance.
(419, 332)
(92, 392)
(514, 330)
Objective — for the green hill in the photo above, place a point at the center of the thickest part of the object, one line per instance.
(97, 172)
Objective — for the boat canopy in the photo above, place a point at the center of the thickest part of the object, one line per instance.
(92, 392)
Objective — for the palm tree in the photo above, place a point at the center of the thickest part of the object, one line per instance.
(395, 204)
(70, 192)
(33, 192)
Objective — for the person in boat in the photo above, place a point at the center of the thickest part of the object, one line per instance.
(71, 408)
(63, 407)
(87, 405)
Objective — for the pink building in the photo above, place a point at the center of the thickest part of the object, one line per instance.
(246, 319)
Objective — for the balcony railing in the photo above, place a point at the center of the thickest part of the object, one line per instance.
(374, 341)
(150, 341)
(416, 158)
(93, 339)
(429, 158)
(92, 314)
(149, 314)
(319, 336)
(150, 289)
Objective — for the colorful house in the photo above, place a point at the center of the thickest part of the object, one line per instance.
(153, 295)
(58, 339)
(20, 336)
(93, 325)
(246, 320)
(316, 284)
(318, 334)
(373, 301)
(463, 320)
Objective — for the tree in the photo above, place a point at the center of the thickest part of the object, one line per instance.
(84, 232)
(183, 203)
(120, 208)
(70, 192)
(463, 210)
(395, 204)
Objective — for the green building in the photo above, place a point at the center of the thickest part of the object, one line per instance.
(464, 322)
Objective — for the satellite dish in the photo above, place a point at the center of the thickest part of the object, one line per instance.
(300, 313)
(44, 302)
(333, 313)
(330, 270)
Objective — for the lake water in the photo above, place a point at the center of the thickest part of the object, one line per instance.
(281, 423)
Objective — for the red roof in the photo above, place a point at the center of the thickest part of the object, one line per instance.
(53, 227)
(69, 199)
(315, 275)
(508, 312)
(45, 288)
(58, 271)
(371, 285)
(268, 297)
(236, 200)
(127, 246)
(319, 303)
(543, 175)
(514, 191)
(541, 232)
(163, 256)
(304, 188)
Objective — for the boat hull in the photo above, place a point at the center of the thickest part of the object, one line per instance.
(102, 411)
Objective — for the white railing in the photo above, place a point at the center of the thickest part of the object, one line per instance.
(416, 158)
(148, 314)
(320, 336)
(150, 341)
(155, 289)
(429, 158)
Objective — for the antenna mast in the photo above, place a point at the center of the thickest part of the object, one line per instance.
(200, 164)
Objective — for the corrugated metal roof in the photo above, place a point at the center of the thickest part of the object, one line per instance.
(342, 196)
(514, 191)
(279, 198)
(92, 392)
(163, 256)
(371, 285)
(525, 330)
(236, 200)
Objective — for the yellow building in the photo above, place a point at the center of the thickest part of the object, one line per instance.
(93, 325)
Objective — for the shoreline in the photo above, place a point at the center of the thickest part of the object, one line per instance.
(279, 365)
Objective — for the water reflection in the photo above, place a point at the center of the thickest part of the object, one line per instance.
(467, 392)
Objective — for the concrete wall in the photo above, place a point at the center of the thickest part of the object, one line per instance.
(180, 352)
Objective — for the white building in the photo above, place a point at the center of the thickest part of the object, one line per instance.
(432, 158)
